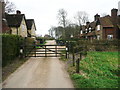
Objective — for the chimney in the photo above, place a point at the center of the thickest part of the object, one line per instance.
(114, 12)
(18, 12)
(114, 15)
(96, 17)
(87, 23)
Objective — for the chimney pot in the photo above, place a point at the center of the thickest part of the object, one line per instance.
(18, 12)
(96, 17)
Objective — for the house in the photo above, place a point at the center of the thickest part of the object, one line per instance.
(102, 28)
(17, 23)
(31, 28)
(4, 25)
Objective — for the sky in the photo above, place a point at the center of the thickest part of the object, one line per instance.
(44, 12)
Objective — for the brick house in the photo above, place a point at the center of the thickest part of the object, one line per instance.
(102, 28)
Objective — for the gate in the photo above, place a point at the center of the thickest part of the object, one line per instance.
(45, 51)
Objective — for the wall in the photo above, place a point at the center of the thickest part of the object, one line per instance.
(33, 31)
(23, 29)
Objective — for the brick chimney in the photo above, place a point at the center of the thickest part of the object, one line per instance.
(114, 15)
(18, 12)
(96, 17)
(114, 12)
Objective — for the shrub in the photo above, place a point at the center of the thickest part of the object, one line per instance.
(11, 47)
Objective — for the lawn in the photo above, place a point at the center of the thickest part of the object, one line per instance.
(97, 70)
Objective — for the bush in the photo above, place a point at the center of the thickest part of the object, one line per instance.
(10, 47)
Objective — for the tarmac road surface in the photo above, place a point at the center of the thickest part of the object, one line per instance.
(40, 72)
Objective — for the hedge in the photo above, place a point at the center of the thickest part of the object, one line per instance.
(11, 47)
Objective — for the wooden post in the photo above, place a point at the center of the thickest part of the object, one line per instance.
(73, 58)
(35, 50)
(66, 53)
(56, 49)
(45, 52)
(77, 65)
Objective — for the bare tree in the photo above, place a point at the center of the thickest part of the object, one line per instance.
(62, 16)
(81, 17)
(9, 7)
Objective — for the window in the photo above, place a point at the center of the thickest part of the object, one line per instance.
(81, 32)
(109, 37)
(98, 37)
(86, 30)
(23, 27)
(89, 29)
(98, 27)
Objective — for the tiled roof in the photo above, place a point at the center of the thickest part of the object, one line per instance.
(118, 26)
(93, 24)
(106, 21)
(14, 20)
(83, 27)
(29, 23)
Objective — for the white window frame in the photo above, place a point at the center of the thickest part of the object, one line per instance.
(85, 30)
(90, 29)
(110, 37)
(98, 27)
(98, 37)
(81, 32)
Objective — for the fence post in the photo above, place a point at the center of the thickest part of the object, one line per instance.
(66, 52)
(73, 58)
(35, 50)
(77, 65)
(56, 49)
(45, 51)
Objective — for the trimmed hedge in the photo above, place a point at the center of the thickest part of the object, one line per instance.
(11, 47)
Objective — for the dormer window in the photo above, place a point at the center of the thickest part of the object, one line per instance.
(89, 29)
(86, 30)
(98, 27)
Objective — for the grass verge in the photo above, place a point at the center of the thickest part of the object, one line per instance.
(11, 67)
(97, 70)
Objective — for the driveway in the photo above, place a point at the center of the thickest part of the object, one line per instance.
(40, 72)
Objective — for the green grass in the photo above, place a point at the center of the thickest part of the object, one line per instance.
(98, 70)
(40, 44)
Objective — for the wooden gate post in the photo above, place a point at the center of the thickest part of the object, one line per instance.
(35, 50)
(66, 52)
(56, 49)
(77, 65)
(73, 58)
(45, 52)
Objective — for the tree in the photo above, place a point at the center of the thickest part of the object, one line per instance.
(9, 7)
(81, 17)
(62, 16)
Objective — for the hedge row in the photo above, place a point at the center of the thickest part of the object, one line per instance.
(95, 45)
(11, 47)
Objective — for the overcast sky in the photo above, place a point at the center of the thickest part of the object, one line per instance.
(44, 12)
